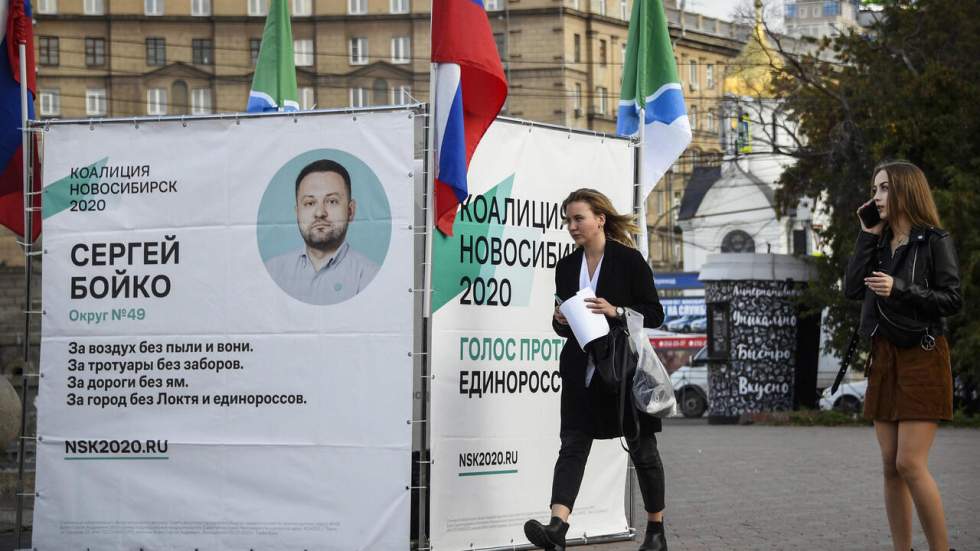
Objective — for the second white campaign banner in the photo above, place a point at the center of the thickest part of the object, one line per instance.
(227, 334)
(495, 387)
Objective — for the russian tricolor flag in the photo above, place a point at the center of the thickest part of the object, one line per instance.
(15, 16)
(470, 89)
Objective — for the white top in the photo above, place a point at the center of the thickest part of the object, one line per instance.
(583, 275)
(585, 281)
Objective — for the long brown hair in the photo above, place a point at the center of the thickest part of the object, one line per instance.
(618, 227)
(909, 193)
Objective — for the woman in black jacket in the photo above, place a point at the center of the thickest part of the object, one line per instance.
(905, 270)
(620, 277)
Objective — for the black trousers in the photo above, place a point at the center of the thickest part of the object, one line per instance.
(570, 468)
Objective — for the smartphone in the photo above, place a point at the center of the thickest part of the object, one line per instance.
(869, 215)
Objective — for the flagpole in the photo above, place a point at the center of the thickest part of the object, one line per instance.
(644, 241)
(26, 370)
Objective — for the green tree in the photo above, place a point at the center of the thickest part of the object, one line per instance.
(908, 87)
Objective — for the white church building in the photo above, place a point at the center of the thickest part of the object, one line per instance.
(730, 208)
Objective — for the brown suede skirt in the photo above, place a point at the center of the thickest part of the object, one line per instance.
(908, 383)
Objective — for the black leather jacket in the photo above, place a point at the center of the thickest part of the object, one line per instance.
(926, 278)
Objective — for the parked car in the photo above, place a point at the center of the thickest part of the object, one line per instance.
(680, 324)
(691, 385)
(699, 325)
(849, 397)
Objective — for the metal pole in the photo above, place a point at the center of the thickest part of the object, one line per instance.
(430, 197)
(640, 209)
(426, 363)
(639, 197)
(430, 200)
(28, 245)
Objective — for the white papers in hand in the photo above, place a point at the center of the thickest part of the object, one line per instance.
(586, 326)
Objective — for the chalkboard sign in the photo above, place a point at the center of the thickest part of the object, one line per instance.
(719, 331)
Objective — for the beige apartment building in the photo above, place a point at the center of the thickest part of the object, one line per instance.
(563, 60)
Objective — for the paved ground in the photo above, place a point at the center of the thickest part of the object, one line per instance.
(735, 488)
(786, 488)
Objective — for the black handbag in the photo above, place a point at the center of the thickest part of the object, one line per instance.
(902, 331)
(614, 358)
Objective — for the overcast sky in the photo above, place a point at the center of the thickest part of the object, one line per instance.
(721, 9)
(725, 9)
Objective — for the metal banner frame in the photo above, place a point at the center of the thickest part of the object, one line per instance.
(31, 372)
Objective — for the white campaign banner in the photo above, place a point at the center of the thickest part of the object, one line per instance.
(227, 333)
(495, 388)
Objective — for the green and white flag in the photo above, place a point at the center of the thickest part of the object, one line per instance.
(651, 86)
(274, 82)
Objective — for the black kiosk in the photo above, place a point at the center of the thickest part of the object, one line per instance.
(762, 355)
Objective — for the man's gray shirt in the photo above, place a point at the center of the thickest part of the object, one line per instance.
(342, 277)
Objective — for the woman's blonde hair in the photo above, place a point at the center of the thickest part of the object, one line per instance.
(618, 227)
(908, 193)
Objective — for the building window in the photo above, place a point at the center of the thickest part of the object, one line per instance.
(153, 7)
(50, 103)
(356, 7)
(156, 101)
(303, 52)
(47, 6)
(202, 51)
(602, 53)
(710, 121)
(500, 39)
(307, 98)
(492, 5)
(600, 7)
(577, 48)
(398, 6)
(95, 103)
(402, 96)
(156, 52)
(790, 10)
(600, 100)
(692, 116)
(200, 8)
(401, 49)
(94, 52)
(577, 99)
(831, 8)
(93, 7)
(692, 74)
(709, 76)
(201, 101)
(48, 50)
(622, 57)
(358, 97)
(302, 8)
(358, 50)
(179, 100)
(254, 47)
(380, 91)
(258, 8)
(624, 10)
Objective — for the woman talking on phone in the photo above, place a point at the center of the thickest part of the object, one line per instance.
(606, 261)
(905, 269)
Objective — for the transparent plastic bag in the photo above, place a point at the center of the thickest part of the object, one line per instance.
(653, 392)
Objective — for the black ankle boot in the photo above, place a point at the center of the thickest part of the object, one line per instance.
(550, 537)
(654, 540)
